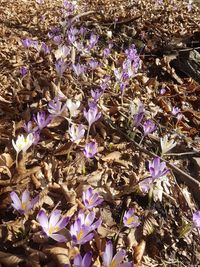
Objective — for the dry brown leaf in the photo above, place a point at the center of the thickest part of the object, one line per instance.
(10, 259)
(59, 254)
(139, 251)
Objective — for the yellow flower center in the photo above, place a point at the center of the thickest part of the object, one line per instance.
(113, 264)
(80, 235)
(130, 220)
(53, 229)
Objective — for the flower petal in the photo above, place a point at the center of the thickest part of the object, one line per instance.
(43, 219)
(108, 254)
(25, 196)
(54, 218)
(58, 237)
(16, 201)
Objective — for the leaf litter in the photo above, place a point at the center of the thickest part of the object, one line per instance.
(99, 121)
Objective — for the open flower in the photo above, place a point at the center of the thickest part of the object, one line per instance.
(60, 66)
(23, 143)
(166, 144)
(55, 107)
(130, 220)
(25, 204)
(157, 169)
(76, 132)
(196, 219)
(41, 120)
(73, 107)
(90, 149)
(91, 199)
(146, 184)
(116, 261)
(83, 226)
(83, 262)
(53, 224)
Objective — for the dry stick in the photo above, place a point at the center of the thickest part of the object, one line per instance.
(183, 176)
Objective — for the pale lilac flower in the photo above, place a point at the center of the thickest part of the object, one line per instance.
(175, 111)
(78, 69)
(73, 107)
(93, 40)
(53, 224)
(196, 219)
(60, 66)
(83, 226)
(23, 143)
(76, 132)
(92, 115)
(146, 184)
(23, 71)
(62, 52)
(157, 169)
(44, 48)
(82, 30)
(28, 127)
(162, 91)
(56, 107)
(83, 262)
(104, 82)
(92, 104)
(130, 220)
(118, 74)
(116, 261)
(166, 144)
(71, 37)
(93, 64)
(137, 112)
(41, 120)
(149, 127)
(91, 199)
(27, 42)
(90, 149)
(57, 39)
(96, 94)
(25, 204)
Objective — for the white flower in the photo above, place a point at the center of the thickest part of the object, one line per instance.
(23, 143)
(161, 185)
(136, 106)
(166, 144)
(62, 52)
(73, 107)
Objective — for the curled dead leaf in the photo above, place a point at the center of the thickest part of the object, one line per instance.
(139, 251)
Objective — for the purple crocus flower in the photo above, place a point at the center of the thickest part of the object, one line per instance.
(93, 40)
(23, 71)
(44, 48)
(96, 94)
(149, 127)
(83, 262)
(55, 107)
(53, 224)
(28, 127)
(76, 132)
(57, 39)
(90, 149)
(25, 204)
(146, 184)
(41, 120)
(78, 69)
(93, 64)
(157, 169)
(60, 67)
(116, 261)
(91, 199)
(27, 42)
(83, 226)
(130, 220)
(175, 111)
(92, 115)
(104, 82)
(196, 219)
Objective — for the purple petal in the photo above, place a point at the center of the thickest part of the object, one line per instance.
(16, 201)
(78, 260)
(58, 237)
(25, 196)
(89, 218)
(43, 219)
(119, 256)
(87, 259)
(86, 239)
(63, 222)
(54, 218)
(126, 264)
(108, 254)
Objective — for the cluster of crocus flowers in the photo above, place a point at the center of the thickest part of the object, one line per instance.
(130, 220)
(196, 219)
(91, 199)
(114, 261)
(157, 170)
(53, 224)
(81, 230)
(25, 204)
(166, 144)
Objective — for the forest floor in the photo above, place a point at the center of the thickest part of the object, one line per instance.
(89, 93)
